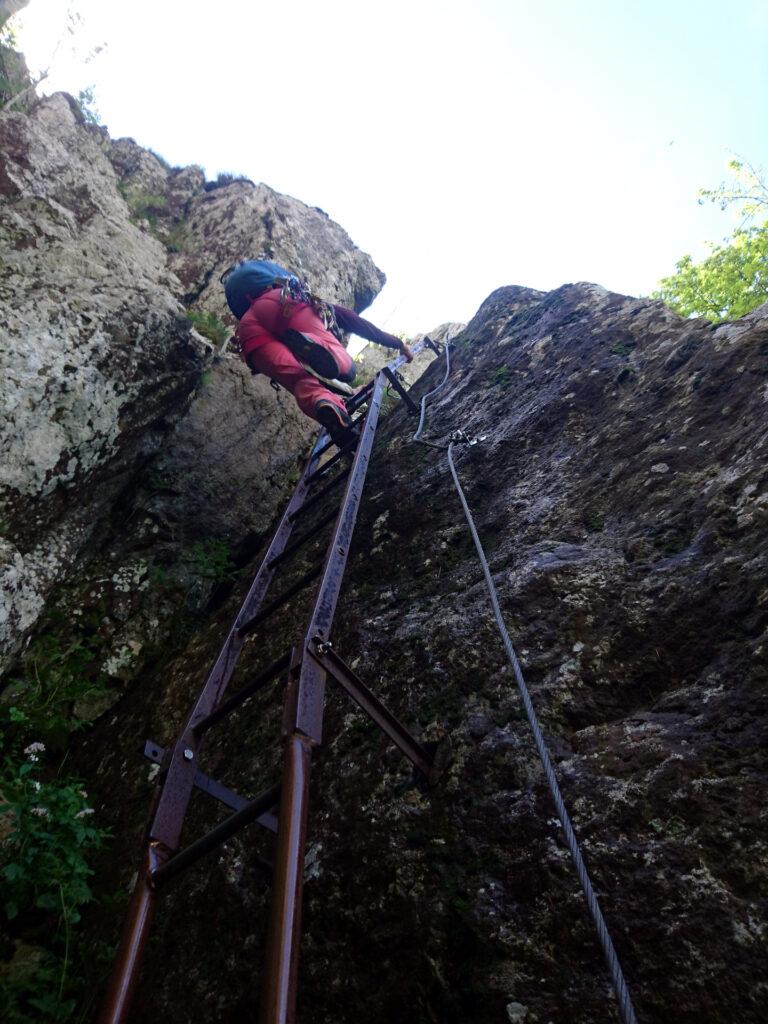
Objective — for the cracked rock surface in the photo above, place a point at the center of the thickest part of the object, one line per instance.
(621, 493)
(128, 441)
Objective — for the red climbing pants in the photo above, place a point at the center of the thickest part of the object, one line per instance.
(259, 333)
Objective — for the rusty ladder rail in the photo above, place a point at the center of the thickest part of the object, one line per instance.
(308, 666)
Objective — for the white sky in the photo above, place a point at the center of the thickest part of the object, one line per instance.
(464, 145)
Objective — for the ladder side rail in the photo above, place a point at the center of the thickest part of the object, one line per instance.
(164, 832)
(311, 686)
(303, 730)
(170, 805)
(167, 821)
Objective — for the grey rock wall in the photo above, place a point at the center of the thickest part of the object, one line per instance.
(123, 436)
(621, 494)
(371, 357)
(94, 349)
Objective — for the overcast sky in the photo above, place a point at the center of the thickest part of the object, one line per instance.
(464, 145)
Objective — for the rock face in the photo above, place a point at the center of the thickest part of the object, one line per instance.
(209, 226)
(94, 351)
(125, 443)
(621, 493)
(372, 358)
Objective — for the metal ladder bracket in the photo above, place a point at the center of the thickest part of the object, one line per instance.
(322, 652)
(395, 382)
(157, 754)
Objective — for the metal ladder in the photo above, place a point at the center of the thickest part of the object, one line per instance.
(282, 807)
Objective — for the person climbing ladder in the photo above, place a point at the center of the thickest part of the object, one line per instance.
(289, 335)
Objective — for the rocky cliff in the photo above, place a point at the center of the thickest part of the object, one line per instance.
(622, 496)
(113, 405)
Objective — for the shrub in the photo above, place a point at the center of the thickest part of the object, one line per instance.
(209, 325)
(210, 559)
(49, 833)
(224, 179)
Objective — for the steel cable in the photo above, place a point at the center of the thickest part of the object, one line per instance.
(626, 1009)
(417, 435)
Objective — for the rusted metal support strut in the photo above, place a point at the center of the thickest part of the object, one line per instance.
(368, 702)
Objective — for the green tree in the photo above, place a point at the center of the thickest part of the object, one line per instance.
(747, 188)
(733, 279)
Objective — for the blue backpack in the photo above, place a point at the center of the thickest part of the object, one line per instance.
(245, 281)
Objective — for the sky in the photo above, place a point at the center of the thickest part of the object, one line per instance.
(464, 145)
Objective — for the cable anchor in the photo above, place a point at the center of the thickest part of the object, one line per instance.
(460, 437)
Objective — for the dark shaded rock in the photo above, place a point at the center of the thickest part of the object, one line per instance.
(622, 496)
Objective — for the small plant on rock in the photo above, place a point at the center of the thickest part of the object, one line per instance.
(210, 559)
(209, 325)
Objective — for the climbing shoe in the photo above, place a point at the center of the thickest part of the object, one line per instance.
(337, 386)
(336, 421)
(308, 351)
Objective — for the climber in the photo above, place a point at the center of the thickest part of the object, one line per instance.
(289, 334)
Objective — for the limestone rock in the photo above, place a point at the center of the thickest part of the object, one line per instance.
(94, 347)
(637, 603)
(241, 219)
(372, 357)
(106, 416)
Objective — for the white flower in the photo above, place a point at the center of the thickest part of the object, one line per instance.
(85, 810)
(40, 812)
(35, 785)
(33, 750)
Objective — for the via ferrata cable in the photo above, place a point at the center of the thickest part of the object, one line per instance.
(626, 1009)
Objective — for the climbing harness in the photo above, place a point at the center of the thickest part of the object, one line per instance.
(295, 292)
(282, 807)
(458, 437)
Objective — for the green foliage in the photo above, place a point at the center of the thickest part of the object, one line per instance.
(87, 103)
(7, 36)
(730, 282)
(501, 378)
(58, 671)
(594, 521)
(622, 348)
(144, 205)
(178, 238)
(748, 188)
(48, 833)
(224, 179)
(209, 325)
(733, 279)
(210, 560)
(41, 989)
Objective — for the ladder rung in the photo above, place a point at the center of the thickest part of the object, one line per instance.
(229, 827)
(302, 540)
(251, 624)
(362, 396)
(331, 443)
(311, 502)
(321, 451)
(320, 473)
(242, 695)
